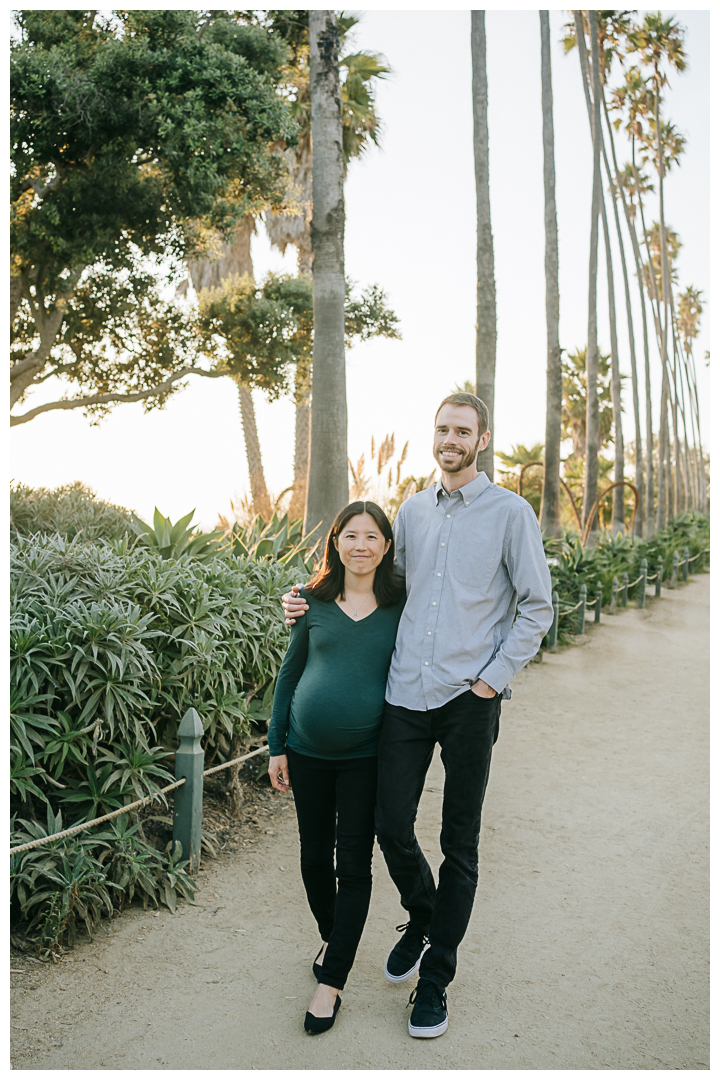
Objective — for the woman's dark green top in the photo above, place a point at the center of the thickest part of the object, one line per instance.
(330, 692)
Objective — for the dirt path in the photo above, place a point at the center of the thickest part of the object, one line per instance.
(588, 944)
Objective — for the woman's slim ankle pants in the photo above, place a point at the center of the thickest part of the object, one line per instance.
(335, 804)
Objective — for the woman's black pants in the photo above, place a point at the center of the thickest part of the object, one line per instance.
(335, 804)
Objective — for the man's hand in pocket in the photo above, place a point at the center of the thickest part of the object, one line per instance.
(481, 689)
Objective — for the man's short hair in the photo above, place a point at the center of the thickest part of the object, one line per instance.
(476, 403)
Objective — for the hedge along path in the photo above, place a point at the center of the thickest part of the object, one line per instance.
(226, 765)
(130, 806)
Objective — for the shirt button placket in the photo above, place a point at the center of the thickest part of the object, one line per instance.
(434, 610)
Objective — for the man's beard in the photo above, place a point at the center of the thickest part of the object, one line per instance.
(460, 463)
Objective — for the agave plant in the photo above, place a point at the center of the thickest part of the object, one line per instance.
(178, 540)
(279, 539)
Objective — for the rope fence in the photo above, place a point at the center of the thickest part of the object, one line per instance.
(131, 806)
(619, 592)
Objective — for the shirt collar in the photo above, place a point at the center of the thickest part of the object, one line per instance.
(469, 492)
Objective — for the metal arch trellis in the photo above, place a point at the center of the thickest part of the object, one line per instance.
(585, 531)
(528, 465)
(596, 505)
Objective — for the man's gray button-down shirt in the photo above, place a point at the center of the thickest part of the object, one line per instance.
(470, 560)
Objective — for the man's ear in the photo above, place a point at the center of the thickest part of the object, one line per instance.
(484, 440)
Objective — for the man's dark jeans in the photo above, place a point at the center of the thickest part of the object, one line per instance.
(466, 728)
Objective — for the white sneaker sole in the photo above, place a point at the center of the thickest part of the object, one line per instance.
(408, 974)
(428, 1032)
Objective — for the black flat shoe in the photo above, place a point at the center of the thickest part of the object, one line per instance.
(315, 1025)
(317, 968)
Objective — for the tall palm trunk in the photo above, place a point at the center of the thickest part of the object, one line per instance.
(328, 473)
(550, 507)
(696, 412)
(661, 518)
(618, 191)
(665, 497)
(650, 489)
(592, 425)
(284, 229)
(618, 515)
(235, 258)
(258, 488)
(303, 397)
(688, 410)
(690, 494)
(486, 337)
(302, 442)
(665, 271)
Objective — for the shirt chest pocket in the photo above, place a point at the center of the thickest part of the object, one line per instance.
(472, 560)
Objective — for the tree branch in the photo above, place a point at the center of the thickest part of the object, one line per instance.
(104, 399)
(40, 189)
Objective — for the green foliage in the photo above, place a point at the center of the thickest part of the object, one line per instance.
(178, 540)
(137, 136)
(73, 881)
(279, 539)
(70, 510)
(571, 565)
(574, 402)
(109, 647)
(258, 333)
(532, 478)
(358, 70)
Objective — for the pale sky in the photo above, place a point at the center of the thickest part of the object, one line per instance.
(411, 228)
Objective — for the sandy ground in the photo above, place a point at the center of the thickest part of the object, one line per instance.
(587, 949)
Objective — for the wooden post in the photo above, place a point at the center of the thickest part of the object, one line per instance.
(598, 603)
(189, 762)
(658, 579)
(642, 583)
(675, 567)
(581, 610)
(553, 631)
(686, 558)
(624, 589)
(613, 595)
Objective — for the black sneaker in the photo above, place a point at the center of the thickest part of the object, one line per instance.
(429, 1017)
(404, 960)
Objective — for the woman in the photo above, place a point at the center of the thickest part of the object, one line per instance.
(324, 732)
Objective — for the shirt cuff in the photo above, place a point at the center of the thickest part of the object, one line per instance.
(496, 675)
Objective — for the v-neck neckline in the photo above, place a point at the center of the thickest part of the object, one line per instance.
(368, 616)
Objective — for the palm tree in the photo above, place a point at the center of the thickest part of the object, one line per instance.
(618, 517)
(328, 475)
(689, 310)
(360, 127)
(234, 257)
(590, 486)
(550, 507)
(486, 338)
(631, 183)
(659, 40)
(613, 27)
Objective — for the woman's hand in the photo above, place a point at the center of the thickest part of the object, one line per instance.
(278, 772)
(293, 605)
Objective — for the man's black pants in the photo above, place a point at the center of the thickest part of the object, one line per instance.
(466, 728)
(335, 804)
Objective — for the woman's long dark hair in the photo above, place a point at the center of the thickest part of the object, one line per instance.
(329, 581)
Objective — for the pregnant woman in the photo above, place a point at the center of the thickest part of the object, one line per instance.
(323, 735)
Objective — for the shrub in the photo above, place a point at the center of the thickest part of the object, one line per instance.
(571, 565)
(70, 511)
(109, 647)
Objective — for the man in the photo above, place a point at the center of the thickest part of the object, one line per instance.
(479, 602)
